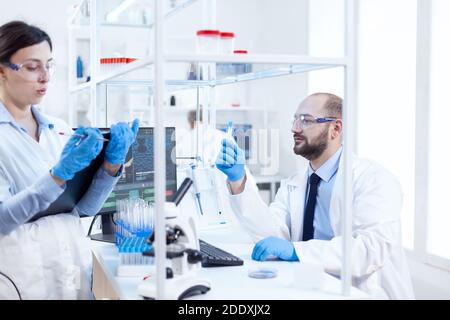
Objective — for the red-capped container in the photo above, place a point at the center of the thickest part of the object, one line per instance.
(242, 67)
(208, 41)
(226, 43)
(109, 64)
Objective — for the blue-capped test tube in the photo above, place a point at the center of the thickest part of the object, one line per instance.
(230, 129)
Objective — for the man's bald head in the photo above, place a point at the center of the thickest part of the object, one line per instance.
(330, 104)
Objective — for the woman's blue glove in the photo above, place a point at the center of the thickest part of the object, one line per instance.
(231, 160)
(273, 246)
(122, 137)
(78, 152)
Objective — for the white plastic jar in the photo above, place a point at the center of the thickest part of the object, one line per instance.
(226, 44)
(208, 41)
(240, 68)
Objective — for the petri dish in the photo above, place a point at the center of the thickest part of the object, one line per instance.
(262, 273)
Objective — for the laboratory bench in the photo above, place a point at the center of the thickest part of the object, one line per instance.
(293, 280)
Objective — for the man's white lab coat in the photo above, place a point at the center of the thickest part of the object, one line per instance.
(379, 265)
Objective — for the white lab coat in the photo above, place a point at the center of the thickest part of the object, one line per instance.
(379, 265)
(49, 258)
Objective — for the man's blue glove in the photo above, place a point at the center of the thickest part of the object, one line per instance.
(231, 160)
(122, 137)
(273, 246)
(78, 152)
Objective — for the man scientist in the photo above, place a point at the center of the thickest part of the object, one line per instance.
(304, 221)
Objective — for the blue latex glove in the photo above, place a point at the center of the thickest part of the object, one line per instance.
(231, 160)
(78, 153)
(273, 246)
(122, 137)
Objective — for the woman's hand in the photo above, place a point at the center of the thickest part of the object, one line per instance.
(122, 137)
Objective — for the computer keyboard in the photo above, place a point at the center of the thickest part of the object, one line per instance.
(215, 257)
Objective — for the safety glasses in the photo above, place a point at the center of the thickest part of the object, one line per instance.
(32, 70)
(304, 121)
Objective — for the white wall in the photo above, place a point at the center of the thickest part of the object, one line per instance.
(386, 106)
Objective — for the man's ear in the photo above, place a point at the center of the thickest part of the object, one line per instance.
(336, 129)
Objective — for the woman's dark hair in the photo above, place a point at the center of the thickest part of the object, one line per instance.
(16, 35)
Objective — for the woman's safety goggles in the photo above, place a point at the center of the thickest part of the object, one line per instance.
(33, 70)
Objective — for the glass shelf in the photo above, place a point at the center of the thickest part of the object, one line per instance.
(126, 25)
(146, 14)
(82, 13)
(251, 67)
(258, 72)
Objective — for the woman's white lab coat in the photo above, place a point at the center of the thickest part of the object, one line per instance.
(49, 258)
(379, 265)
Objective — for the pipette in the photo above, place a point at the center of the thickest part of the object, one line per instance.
(81, 136)
(196, 187)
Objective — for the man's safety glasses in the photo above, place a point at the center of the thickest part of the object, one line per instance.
(33, 70)
(304, 121)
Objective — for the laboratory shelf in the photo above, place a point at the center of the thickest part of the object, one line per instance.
(220, 109)
(269, 73)
(115, 73)
(272, 71)
(171, 12)
(80, 87)
(126, 25)
(255, 59)
(173, 84)
(262, 66)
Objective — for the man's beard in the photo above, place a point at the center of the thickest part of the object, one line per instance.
(313, 150)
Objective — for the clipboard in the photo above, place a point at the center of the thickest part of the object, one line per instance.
(77, 187)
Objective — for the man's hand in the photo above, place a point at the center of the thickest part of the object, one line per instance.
(273, 246)
(231, 160)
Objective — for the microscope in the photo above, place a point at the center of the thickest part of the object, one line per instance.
(183, 257)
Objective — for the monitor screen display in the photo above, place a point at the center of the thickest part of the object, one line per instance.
(137, 179)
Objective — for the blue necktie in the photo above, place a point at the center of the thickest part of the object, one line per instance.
(308, 218)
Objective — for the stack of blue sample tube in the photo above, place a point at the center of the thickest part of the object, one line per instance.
(134, 218)
(131, 249)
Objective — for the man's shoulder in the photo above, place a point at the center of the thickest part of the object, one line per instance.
(365, 169)
(366, 164)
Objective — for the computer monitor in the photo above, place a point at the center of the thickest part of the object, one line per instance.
(242, 135)
(137, 180)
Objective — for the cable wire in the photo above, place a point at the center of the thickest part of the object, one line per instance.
(92, 223)
(15, 287)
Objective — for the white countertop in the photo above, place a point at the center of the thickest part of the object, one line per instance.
(233, 283)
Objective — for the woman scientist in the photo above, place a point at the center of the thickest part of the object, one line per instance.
(50, 257)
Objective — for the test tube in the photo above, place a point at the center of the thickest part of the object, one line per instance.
(230, 129)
